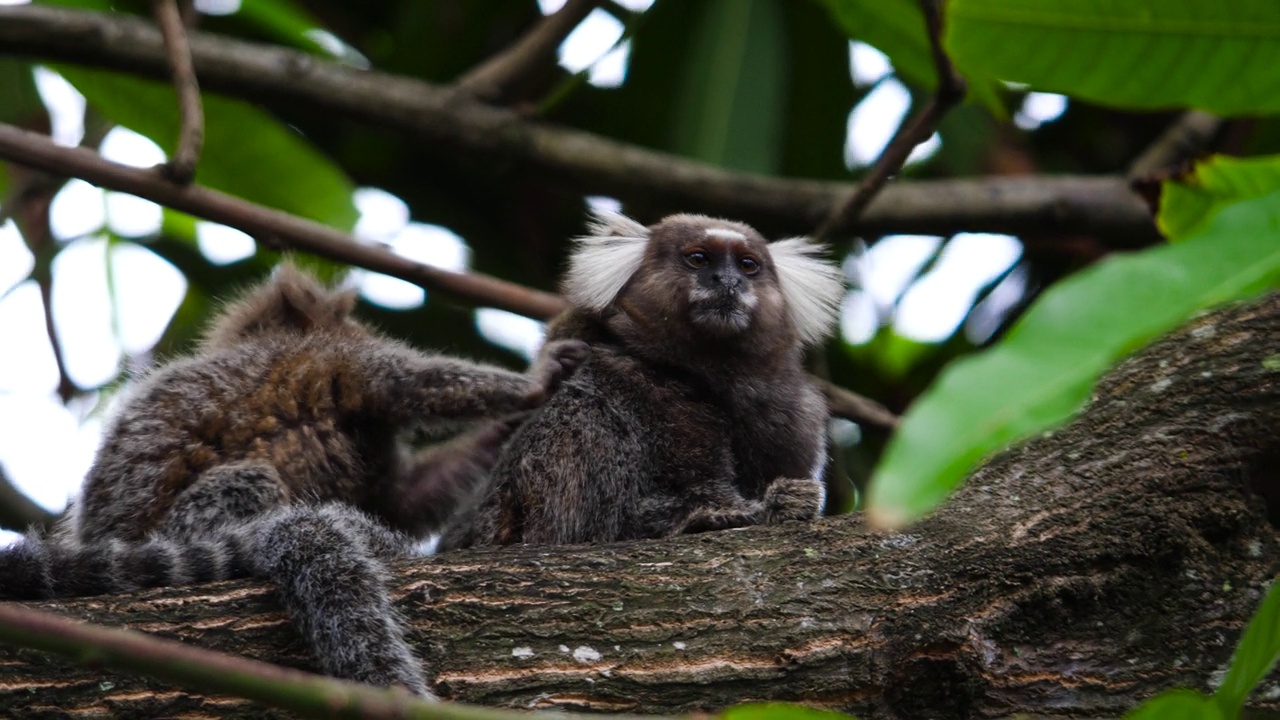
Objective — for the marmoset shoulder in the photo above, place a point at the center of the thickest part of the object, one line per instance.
(694, 411)
(276, 451)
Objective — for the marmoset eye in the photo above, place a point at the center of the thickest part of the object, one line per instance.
(749, 265)
(697, 259)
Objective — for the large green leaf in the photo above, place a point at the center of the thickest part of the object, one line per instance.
(1186, 202)
(729, 103)
(247, 152)
(1255, 655)
(1177, 705)
(1043, 370)
(897, 29)
(1219, 55)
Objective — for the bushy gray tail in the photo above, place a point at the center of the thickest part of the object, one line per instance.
(40, 566)
(327, 564)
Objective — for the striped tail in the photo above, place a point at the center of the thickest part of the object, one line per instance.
(40, 566)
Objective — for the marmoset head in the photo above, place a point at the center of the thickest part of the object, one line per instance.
(292, 302)
(695, 277)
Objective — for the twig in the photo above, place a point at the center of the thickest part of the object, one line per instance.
(849, 405)
(32, 195)
(1191, 134)
(17, 511)
(38, 151)
(309, 695)
(190, 18)
(43, 276)
(453, 122)
(182, 167)
(496, 78)
(951, 89)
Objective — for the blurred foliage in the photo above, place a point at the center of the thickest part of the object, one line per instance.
(1043, 369)
(1217, 56)
(759, 85)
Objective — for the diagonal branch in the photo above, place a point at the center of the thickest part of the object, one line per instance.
(182, 168)
(951, 89)
(495, 79)
(281, 228)
(453, 122)
(38, 151)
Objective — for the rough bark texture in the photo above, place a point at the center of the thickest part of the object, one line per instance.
(1078, 574)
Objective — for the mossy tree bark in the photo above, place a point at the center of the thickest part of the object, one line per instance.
(1078, 574)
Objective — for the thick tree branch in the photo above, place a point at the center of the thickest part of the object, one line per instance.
(495, 79)
(451, 121)
(181, 168)
(951, 89)
(1075, 575)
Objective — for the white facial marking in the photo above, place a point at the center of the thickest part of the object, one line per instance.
(725, 233)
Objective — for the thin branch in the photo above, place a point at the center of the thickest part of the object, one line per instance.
(852, 406)
(307, 694)
(32, 196)
(38, 151)
(1190, 135)
(182, 167)
(453, 122)
(951, 89)
(17, 511)
(43, 276)
(496, 78)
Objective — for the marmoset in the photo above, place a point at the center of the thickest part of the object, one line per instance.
(277, 451)
(693, 411)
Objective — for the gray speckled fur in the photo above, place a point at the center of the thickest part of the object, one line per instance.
(274, 452)
(693, 411)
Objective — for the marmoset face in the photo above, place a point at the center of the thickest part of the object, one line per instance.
(725, 270)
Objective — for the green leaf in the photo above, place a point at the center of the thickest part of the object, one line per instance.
(19, 101)
(897, 29)
(1176, 705)
(1218, 55)
(1187, 202)
(1043, 370)
(729, 105)
(278, 20)
(1255, 655)
(283, 22)
(780, 711)
(246, 153)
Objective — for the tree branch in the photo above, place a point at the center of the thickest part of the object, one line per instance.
(181, 168)
(1073, 576)
(450, 121)
(1186, 138)
(38, 151)
(495, 79)
(951, 89)
(281, 228)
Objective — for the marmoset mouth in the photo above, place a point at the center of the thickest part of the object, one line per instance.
(725, 315)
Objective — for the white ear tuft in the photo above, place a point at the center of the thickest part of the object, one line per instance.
(812, 285)
(605, 260)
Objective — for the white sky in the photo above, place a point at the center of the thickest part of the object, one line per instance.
(46, 448)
